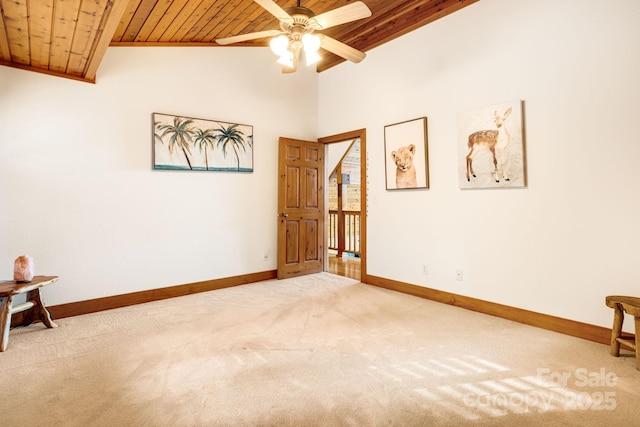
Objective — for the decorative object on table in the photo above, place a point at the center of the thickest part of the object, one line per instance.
(184, 143)
(24, 269)
(406, 154)
(491, 147)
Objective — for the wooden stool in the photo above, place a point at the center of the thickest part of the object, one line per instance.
(620, 306)
(34, 305)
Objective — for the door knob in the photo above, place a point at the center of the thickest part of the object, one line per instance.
(284, 215)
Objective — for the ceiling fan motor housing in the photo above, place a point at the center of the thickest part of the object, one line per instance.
(299, 10)
(301, 24)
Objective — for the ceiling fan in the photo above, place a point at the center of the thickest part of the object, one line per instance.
(297, 33)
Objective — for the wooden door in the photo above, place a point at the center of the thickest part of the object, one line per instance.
(300, 207)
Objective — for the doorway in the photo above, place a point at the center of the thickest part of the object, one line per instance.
(345, 204)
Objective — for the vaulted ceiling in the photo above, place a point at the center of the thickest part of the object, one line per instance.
(69, 38)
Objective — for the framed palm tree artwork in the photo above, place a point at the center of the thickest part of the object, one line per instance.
(185, 143)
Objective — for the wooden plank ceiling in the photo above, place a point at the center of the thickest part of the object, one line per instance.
(69, 38)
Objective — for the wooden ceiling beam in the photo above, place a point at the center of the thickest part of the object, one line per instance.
(41, 20)
(14, 14)
(5, 50)
(210, 18)
(223, 15)
(137, 20)
(236, 25)
(130, 11)
(87, 26)
(65, 14)
(45, 71)
(110, 21)
(167, 19)
(191, 20)
(154, 18)
(179, 20)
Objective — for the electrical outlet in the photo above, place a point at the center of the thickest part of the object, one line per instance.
(425, 269)
(265, 254)
(459, 275)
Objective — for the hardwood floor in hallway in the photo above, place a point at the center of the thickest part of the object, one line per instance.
(346, 266)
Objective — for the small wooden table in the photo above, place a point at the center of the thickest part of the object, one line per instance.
(33, 304)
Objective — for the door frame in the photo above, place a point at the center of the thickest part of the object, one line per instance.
(362, 135)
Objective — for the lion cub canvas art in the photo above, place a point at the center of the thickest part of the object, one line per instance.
(406, 163)
(405, 169)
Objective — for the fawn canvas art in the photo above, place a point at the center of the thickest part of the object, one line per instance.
(491, 147)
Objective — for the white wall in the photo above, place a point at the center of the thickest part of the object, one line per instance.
(571, 237)
(76, 186)
(78, 194)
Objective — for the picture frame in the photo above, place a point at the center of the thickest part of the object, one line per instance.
(491, 147)
(406, 155)
(192, 144)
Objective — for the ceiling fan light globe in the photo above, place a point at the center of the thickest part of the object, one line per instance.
(311, 57)
(279, 45)
(286, 59)
(311, 42)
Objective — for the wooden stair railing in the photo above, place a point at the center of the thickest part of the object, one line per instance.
(344, 232)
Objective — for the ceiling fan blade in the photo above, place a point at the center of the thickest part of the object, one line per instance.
(271, 7)
(351, 12)
(341, 49)
(248, 36)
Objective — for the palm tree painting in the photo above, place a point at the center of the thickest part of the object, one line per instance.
(231, 139)
(179, 134)
(203, 139)
(182, 143)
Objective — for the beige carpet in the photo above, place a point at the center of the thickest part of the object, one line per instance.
(320, 350)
